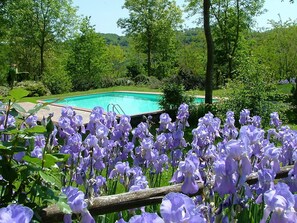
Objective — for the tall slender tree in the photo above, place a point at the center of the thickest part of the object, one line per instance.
(151, 25)
(210, 52)
(39, 24)
(88, 61)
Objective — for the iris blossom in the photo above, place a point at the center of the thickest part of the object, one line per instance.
(280, 202)
(15, 213)
(179, 208)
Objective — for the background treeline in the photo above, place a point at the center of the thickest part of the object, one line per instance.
(55, 51)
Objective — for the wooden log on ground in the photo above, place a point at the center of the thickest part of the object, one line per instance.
(129, 200)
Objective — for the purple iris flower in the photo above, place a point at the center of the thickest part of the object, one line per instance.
(31, 121)
(75, 143)
(97, 183)
(160, 163)
(86, 217)
(245, 117)
(146, 218)
(75, 199)
(229, 130)
(139, 183)
(120, 170)
(15, 213)
(253, 139)
(266, 178)
(38, 146)
(205, 134)
(179, 208)
(224, 183)
(141, 131)
(67, 112)
(280, 201)
(102, 131)
(182, 116)
(270, 157)
(65, 125)
(97, 117)
(188, 172)
(274, 120)
(77, 122)
(165, 122)
(256, 121)
(10, 121)
(160, 143)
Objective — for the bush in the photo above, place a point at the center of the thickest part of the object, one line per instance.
(57, 83)
(141, 79)
(4, 91)
(189, 80)
(173, 96)
(252, 89)
(123, 81)
(35, 88)
(154, 83)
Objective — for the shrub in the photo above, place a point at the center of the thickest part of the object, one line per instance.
(35, 88)
(106, 82)
(253, 89)
(154, 82)
(173, 96)
(134, 70)
(141, 79)
(57, 83)
(123, 81)
(4, 91)
(188, 79)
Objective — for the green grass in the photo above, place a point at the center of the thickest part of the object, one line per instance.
(216, 93)
(94, 91)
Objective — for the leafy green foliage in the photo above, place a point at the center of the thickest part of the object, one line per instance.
(35, 27)
(4, 91)
(57, 83)
(276, 49)
(151, 25)
(88, 62)
(253, 89)
(35, 88)
(35, 183)
(173, 96)
(189, 80)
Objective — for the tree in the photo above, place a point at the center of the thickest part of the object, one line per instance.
(38, 24)
(193, 7)
(116, 56)
(210, 52)
(232, 21)
(151, 24)
(87, 63)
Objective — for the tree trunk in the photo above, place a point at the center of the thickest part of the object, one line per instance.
(210, 52)
(149, 51)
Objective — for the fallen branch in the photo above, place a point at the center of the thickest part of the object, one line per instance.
(129, 200)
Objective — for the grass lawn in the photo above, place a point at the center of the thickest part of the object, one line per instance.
(285, 88)
(94, 91)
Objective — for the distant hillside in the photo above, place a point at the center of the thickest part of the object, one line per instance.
(114, 39)
(186, 36)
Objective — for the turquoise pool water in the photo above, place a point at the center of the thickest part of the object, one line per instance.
(131, 103)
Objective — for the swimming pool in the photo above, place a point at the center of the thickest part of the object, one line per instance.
(122, 102)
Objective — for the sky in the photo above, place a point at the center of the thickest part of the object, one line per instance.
(105, 13)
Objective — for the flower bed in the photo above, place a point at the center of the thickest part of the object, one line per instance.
(43, 164)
